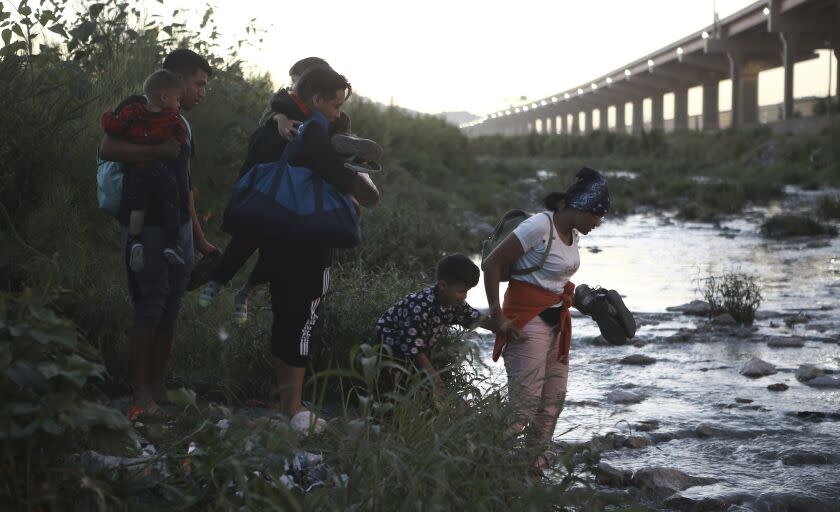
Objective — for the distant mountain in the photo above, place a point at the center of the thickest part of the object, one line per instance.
(457, 118)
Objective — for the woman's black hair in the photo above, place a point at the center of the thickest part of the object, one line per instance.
(554, 201)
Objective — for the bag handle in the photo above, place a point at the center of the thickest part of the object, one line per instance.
(545, 253)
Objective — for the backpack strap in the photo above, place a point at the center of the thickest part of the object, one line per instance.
(539, 266)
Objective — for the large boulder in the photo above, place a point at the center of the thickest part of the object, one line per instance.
(796, 457)
(661, 479)
(755, 367)
(806, 372)
(824, 381)
(695, 307)
(612, 477)
(638, 359)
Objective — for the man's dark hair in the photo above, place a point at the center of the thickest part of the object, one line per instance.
(186, 62)
(302, 66)
(321, 81)
(160, 81)
(457, 268)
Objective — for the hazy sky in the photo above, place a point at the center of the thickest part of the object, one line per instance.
(479, 56)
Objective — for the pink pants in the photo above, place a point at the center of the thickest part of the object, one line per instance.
(536, 379)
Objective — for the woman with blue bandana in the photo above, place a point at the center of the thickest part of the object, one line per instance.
(538, 302)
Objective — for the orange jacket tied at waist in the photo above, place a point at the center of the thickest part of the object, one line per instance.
(523, 301)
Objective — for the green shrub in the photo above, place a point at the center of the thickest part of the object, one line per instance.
(786, 226)
(45, 415)
(735, 293)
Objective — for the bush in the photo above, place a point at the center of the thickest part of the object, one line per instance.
(786, 226)
(44, 415)
(734, 293)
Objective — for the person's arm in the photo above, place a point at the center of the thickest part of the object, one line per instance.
(425, 364)
(116, 150)
(201, 243)
(317, 154)
(285, 126)
(505, 254)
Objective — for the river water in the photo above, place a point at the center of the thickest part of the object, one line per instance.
(768, 450)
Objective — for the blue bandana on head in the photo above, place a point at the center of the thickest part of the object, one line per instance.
(589, 193)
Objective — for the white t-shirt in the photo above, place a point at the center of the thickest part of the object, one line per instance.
(562, 262)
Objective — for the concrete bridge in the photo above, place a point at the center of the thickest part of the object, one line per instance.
(765, 35)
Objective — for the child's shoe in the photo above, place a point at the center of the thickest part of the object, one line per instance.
(174, 255)
(135, 258)
(209, 293)
(240, 304)
(358, 165)
(350, 145)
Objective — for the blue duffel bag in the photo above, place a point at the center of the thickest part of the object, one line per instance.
(283, 202)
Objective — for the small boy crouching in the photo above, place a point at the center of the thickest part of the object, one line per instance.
(411, 326)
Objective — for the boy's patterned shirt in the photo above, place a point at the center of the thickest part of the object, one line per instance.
(411, 325)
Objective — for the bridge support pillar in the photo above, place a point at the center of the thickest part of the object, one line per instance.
(681, 109)
(638, 116)
(576, 123)
(564, 125)
(711, 116)
(587, 121)
(657, 116)
(604, 118)
(620, 127)
(788, 60)
(744, 90)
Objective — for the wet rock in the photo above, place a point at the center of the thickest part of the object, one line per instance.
(637, 442)
(612, 477)
(804, 457)
(662, 479)
(683, 335)
(638, 359)
(766, 315)
(790, 502)
(744, 400)
(799, 318)
(786, 343)
(619, 396)
(710, 430)
(724, 320)
(806, 372)
(640, 343)
(816, 416)
(695, 307)
(781, 386)
(824, 381)
(706, 503)
(647, 425)
(755, 367)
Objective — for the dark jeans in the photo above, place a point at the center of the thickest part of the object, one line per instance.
(156, 291)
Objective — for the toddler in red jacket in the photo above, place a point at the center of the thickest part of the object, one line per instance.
(151, 120)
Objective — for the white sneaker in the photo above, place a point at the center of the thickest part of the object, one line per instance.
(135, 259)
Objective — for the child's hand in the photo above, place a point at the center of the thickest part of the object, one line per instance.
(286, 127)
